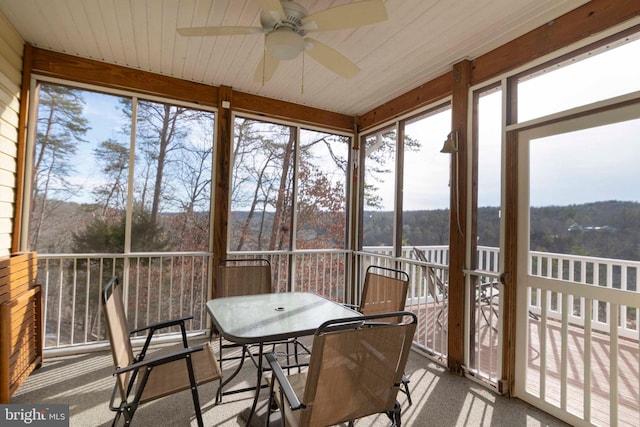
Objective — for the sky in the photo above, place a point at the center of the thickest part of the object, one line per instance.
(105, 119)
(594, 162)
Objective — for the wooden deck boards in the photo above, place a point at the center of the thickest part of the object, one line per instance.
(600, 391)
(485, 359)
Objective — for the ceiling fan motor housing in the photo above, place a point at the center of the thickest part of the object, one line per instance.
(284, 43)
(285, 40)
(292, 20)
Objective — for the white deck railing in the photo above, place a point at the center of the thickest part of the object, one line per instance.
(603, 273)
(159, 285)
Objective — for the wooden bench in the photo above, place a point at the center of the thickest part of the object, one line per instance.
(20, 321)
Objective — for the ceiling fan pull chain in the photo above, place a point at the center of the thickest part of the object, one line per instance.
(302, 78)
(264, 64)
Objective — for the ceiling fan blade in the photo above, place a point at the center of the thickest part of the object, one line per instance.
(350, 15)
(219, 31)
(331, 58)
(266, 68)
(273, 8)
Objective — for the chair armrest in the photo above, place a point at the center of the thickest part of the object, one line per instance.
(285, 386)
(488, 291)
(160, 360)
(161, 325)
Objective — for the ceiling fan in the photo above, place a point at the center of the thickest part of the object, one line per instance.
(286, 24)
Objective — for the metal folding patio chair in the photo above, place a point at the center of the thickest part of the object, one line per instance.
(355, 370)
(241, 276)
(146, 377)
(437, 289)
(487, 294)
(385, 290)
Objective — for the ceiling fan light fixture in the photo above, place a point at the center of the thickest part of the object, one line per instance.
(284, 43)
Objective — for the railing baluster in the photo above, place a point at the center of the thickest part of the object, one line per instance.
(46, 297)
(543, 344)
(586, 389)
(98, 309)
(74, 287)
(87, 320)
(564, 351)
(60, 291)
(613, 361)
(192, 290)
(171, 288)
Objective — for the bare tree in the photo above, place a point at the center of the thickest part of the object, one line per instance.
(113, 158)
(263, 183)
(60, 128)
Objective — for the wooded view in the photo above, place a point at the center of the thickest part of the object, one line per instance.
(171, 189)
(609, 229)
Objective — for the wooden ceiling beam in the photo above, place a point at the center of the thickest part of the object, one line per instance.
(425, 94)
(585, 21)
(289, 111)
(88, 71)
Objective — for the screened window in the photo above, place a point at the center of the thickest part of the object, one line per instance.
(489, 139)
(610, 71)
(426, 176)
(81, 197)
(267, 158)
(322, 193)
(260, 215)
(379, 189)
(172, 178)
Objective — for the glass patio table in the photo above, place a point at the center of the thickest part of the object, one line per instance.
(266, 318)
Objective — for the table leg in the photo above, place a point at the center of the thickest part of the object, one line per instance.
(219, 393)
(258, 384)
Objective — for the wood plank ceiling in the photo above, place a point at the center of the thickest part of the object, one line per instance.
(420, 41)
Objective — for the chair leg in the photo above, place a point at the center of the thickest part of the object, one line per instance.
(116, 419)
(270, 404)
(405, 383)
(125, 409)
(220, 351)
(194, 391)
(440, 313)
(394, 415)
(127, 412)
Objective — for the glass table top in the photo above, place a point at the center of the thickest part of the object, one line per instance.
(272, 317)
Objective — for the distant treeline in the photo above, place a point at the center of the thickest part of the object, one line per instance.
(609, 229)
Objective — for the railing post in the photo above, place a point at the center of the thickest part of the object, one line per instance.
(458, 217)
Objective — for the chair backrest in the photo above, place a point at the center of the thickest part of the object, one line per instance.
(384, 290)
(435, 286)
(356, 371)
(243, 276)
(117, 330)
